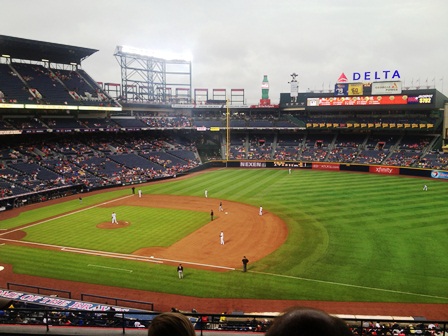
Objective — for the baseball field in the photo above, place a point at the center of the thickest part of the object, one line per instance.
(323, 236)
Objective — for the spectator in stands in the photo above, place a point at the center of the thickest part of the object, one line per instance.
(302, 321)
(138, 324)
(168, 324)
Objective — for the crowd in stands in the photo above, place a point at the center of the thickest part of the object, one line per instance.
(91, 162)
(294, 321)
(22, 313)
(404, 151)
(104, 155)
(237, 122)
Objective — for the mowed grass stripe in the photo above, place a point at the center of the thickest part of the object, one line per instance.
(30, 216)
(146, 276)
(147, 227)
(355, 229)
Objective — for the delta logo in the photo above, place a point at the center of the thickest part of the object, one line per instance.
(342, 78)
(439, 174)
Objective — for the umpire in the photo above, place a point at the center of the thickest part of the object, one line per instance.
(245, 262)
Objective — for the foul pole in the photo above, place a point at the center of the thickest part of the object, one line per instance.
(227, 131)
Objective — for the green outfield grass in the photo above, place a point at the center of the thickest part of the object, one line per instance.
(352, 237)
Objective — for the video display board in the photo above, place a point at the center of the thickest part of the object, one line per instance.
(370, 100)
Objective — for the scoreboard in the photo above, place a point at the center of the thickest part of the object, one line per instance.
(371, 100)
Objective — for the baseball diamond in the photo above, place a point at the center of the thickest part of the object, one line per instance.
(246, 233)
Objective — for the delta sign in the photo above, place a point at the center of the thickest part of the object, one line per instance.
(371, 76)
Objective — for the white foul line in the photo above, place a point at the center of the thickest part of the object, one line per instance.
(111, 254)
(90, 252)
(101, 253)
(194, 263)
(64, 215)
(354, 286)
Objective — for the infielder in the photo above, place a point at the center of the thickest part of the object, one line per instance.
(260, 212)
(180, 271)
(206, 193)
(221, 237)
(140, 193)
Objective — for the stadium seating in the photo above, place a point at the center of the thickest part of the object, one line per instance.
(49, 90)
(13, 87)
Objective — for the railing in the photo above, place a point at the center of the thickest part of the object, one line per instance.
(40, 290)
(118, 302)
(13, 321)
(56, 293)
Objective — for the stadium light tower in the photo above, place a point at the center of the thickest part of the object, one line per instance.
(150, 76)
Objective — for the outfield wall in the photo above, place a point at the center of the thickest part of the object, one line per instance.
(21, 200)
(332, 166)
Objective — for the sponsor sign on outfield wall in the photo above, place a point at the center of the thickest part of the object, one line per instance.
(384, 170)
(248, 164)
(439, 175)
(326, 166)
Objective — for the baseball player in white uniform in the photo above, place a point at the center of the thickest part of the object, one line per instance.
(221, 237)
(114, 218)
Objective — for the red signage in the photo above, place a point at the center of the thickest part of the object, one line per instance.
(358, 101)
(342, 78)
(384, 170)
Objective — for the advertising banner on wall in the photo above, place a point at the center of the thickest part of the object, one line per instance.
(254, 164)
(384, 170)
(341, 89)
(326, 166)
(358, 101)
(384, 88)
(355, 89)
(439, 174)
(420, 99)
(59, 302)
(349, 89)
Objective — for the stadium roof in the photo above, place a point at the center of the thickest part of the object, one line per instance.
(24, 49)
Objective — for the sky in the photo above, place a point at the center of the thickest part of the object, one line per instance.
(234, 43)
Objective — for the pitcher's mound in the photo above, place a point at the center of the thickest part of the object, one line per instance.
(108, 225)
